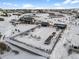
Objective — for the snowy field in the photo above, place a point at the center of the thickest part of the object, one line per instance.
(32, 43)
(5, 29)
(71, 34)
(43, 33)
(22, 54)
(20, 28)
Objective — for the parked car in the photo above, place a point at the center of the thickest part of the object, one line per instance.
(1, 19)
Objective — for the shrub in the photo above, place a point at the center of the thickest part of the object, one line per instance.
(4, 47)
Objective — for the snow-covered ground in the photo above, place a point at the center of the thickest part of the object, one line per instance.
(31, 40)
(71, 34)
(43, 33)
(22, 54)
(5, 29)
(60, 51)
(20, 28)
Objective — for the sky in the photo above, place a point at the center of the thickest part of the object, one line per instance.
(39, 4)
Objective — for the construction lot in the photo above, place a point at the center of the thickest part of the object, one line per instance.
(38, 37)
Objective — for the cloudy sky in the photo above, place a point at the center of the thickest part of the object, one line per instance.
(59, 4)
